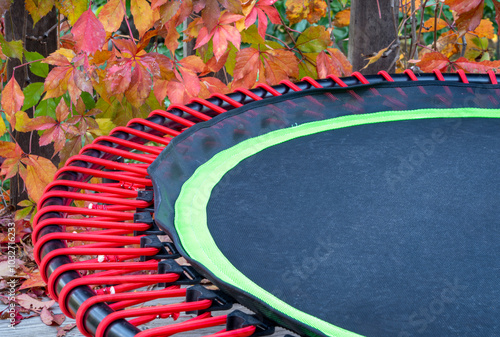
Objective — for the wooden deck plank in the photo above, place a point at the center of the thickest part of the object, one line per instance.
(35, 327)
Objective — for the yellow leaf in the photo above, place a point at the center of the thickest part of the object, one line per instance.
(375, 58)
(342, 18)
(3, 128)
(22, 121)
(105, 125)
(143, 15)
(72, 9)
(311, 10)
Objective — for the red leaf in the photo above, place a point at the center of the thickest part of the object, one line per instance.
(88, 33)
(221, 33)
(246, 68)
(30, 303)
(140, 86)
(62, 331)
(118, 78)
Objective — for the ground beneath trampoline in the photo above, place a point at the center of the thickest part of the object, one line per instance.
(35, 326)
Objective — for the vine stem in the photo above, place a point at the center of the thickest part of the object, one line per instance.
(126, 20)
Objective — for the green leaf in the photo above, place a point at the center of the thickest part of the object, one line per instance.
(88, 100)
(12, 48)
(252, 36)
(37, 68)
(313, 40)
(46, 108)
(32, 95)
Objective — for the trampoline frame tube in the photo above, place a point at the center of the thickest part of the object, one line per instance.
(197, 108)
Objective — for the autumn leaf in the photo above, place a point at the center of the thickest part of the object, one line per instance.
(63, 330)
(342, 18)
(3, 127)
(34, 280)
(463, 6)
(39, 173)
(111, 15)
(13, 154)
(406, 5)
(313, 39)
(221, 34)
(212, 85)
(469, 13)
(72, 9)
(476, 67)
(12, 49)
(55, 130)
(143, 15)
(311, 10)
(434, 60)
(258, 11)
(88, 33)
(12, 99)
(22, 121)
(375, 58)
(270, 66)
(56, 83)
(31, 303)
(49, 318)
(140, 86)
(333, 63)
(485, 29)
(38, 9)
(246, 68)
(429, 24)
(279, 65)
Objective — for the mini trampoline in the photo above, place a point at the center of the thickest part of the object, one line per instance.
(362, 206)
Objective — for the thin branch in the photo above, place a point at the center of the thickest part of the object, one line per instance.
(422, 9)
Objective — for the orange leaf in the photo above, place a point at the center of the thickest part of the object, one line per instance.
(12, 99)
(311, 10)
(406, 5)
(485, 29)
(434, 60)
(39, 173)
(88, 33)
(335, 63)
(111, 15)
(342, 18)
(280, 65)
(429, 24)
(34, 280)
(56, 82)
(246, 68)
